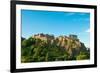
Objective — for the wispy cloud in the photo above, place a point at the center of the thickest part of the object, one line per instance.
(88, 30)
(76, 13)
(84, 32)
(82, 14)
(71, 13)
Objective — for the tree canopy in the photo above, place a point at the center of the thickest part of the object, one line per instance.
(37, 50)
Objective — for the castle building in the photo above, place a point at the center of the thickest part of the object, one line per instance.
(73, 36)
(44, 36)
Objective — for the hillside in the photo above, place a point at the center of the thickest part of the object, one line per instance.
(44, 47)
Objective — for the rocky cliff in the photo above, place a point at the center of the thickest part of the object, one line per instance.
(44, 47)
(70, 43)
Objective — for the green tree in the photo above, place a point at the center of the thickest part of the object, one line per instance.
(83, 55)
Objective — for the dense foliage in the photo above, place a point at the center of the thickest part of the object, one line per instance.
(37, 50)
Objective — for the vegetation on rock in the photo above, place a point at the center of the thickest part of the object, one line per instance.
(44, 48)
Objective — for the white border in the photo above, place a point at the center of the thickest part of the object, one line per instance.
(20, 65)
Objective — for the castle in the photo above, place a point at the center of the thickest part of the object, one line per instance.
(51, 37)
(44, 36)
(73, 36)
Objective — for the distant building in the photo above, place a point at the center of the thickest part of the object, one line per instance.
(73, 36)
(44, 36)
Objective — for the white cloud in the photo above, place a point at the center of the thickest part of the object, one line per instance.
(71, 13)
(88, 30)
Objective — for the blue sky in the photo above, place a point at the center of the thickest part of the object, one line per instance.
(56, 23)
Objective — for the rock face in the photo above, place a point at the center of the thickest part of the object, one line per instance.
(69, 43)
